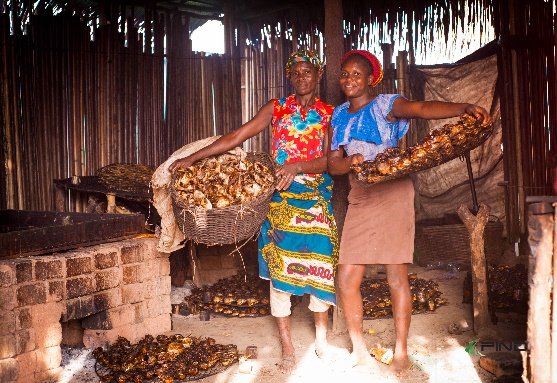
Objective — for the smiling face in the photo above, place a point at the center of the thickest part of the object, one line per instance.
(304, 78)
(355, 77)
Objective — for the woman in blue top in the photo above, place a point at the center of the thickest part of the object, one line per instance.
(379, 224)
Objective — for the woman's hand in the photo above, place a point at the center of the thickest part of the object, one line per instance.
(285, 175)
(183, 163)
(478, 112)
(356, 159)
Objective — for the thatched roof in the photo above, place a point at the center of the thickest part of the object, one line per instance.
(375, 20)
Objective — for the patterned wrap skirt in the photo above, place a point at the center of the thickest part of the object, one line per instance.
(298, 244)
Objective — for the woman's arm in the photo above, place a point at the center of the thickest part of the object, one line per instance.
(337, 163)
(232, 139)
(286, 173)
(432, 110)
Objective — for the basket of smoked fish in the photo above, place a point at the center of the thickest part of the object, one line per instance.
(223, 199)
(440, 146)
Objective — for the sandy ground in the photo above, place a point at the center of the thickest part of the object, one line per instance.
(437, 356)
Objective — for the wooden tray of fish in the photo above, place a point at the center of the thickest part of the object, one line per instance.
(440, 146)
(376, 297)
(241, 312)
(168, 359)
(236, 296)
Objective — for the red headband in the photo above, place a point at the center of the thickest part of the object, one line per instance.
(371, 59)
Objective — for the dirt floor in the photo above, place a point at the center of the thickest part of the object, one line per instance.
(437, 356)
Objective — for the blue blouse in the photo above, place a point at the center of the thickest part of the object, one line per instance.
(367, 131)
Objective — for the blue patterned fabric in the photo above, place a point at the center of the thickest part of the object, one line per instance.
(298, 243)
(367, 131)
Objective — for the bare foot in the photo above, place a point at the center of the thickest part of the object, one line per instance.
(400, 364)
(321, 349)
(343, 361)
(287, 364)
(360, 358)
(328, 354)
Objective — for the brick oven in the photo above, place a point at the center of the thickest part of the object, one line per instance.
(90, 296)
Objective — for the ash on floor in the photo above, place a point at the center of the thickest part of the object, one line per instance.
(78, 364)
(177, 294)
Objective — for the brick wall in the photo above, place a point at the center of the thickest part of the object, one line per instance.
(212, 263)
(116, 289)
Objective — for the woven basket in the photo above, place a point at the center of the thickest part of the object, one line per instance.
(226, 225)
(440, 242)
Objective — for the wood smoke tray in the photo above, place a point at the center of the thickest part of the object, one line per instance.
(440, 146)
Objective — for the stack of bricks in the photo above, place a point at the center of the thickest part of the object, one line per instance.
(116, 289)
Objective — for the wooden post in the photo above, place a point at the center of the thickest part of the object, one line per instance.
(195, 269)
(60, 195)
(410, 138)
(554, 300)
(475, 224)
(333, 52)
(228, 29)
(540, 239)
(179, 265)
(110, 203)
(387, 84)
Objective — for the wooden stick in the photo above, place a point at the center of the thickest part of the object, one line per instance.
(476, 226)
(7, 65)
(540, 238)
(553, 350)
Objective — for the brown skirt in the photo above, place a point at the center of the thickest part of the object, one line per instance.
(380, 223)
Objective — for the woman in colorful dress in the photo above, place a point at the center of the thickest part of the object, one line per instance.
(298, 242)
(379, 223)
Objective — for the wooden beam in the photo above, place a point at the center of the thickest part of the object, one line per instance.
(333, 50)
(540, 239)
(333, 95)
(228, 28)
(475, 224)
(553, 323)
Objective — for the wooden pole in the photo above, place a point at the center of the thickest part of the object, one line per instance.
(404, 89)
(228, 28)
(333, 51)
(475, 224)
(5, 77)
(540, 238)
(60, 195)
(554, 303)
(111, 203)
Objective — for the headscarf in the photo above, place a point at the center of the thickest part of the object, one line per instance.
(377, 70)
(307, 55)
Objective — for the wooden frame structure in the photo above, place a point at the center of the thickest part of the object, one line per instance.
(119, 83)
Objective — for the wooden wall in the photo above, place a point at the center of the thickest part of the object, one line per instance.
(72, 104)
(527, 64)
(77, 96)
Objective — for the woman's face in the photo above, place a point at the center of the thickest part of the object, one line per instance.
(355, 78)
(304, 78)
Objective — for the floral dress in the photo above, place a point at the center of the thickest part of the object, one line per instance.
(298, 245)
